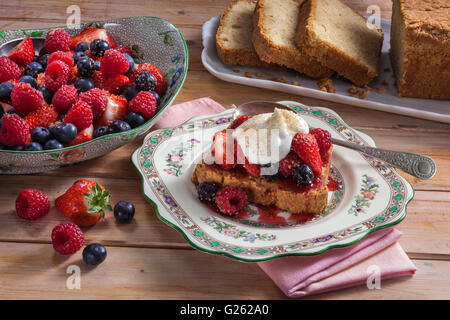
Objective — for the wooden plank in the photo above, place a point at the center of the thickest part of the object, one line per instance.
(35, 271)
(427, 219)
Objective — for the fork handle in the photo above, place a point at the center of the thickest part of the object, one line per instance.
(417, 165)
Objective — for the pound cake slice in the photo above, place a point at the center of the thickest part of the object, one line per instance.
(420, 48)
(274, 28)
(234, 36)
(340, 38)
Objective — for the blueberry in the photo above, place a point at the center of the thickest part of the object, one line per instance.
(94, 254)
(53, 144)
(98, 47)
(30, 80)
(145, 81)
(2, 112)
(5, 91)
(47, 93)
(40, 135)
(130, 62)
(207, 191)
(42, 52)
(33, 146)
(43, 60)
(2, 146)
(14, 148)
(156, 95)
(33, 69)
(1, 122)
(134, 119)
(83, 84)
(82, 47)
(118, 126)
(79, 55)
(129, 92)
(64, 132)
(97, 65)
(303, 175)
(11, 111)
(124, 211)
(100, 131)
(85, 67)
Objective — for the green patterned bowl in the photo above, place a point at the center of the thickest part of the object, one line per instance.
(162, 44)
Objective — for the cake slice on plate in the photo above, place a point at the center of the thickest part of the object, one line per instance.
(340, 38)
(296, 181)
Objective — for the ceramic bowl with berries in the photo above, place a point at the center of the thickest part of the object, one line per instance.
(70, 95)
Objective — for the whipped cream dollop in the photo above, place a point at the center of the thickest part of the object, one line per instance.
(267, 137)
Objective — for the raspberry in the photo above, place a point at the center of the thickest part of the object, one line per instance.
(44, 117)
(14, 131)
(231, 200)
(25, 98)
(80, 115)
(114, 62)
(31, 204)
(144, 103)
(57, 40)
(9, 70)
(61, 56)
(238, 121)
(57, 74)
(207, 191)
(288, 164)
(305, 146)
(161, 83)
(97, 99)
(323, 138)
(67, 238)
(65, 98)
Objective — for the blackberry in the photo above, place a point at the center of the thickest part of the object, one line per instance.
(98, 47)
(207, 191)
(303, 175)
(145, 81)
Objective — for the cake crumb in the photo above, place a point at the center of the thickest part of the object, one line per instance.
(387, 69)
(384, 83)
(282, 79)
(258, 74)
(379, 91)
(353, 90)
(236, 70)
(295, 83)
(362, 94)
(326, 85)
(248, 75)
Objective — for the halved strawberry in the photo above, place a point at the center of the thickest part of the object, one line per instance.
(83, 136)
(45, 116)
(222, 145)
(252, 168)
(23, 53)
(89, 34)
(305, 146)
(113, 83)
(161, 83)
(116, 109)
(238, 121)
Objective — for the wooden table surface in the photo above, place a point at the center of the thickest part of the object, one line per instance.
(149, 260)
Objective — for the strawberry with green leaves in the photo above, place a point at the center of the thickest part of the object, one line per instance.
(84, 203)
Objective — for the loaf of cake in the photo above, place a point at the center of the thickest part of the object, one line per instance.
(340, 38)
(420, 48)
(274, 28)
(234, 36)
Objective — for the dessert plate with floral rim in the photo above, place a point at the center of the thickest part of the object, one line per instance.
(365, 194)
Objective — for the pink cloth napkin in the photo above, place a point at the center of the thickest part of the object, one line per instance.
(378, 254)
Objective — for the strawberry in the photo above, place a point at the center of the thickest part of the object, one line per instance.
(57, 40)
(9, 70)
(161, 83)
(113, 83)
(83, 136)
(223, 142)
(305, 146)
(252, 168)
(23, 53)
(40, 80)
(288, 164)
(114, 62)
(80, 115)
(238, 121)
(84, 203)
(90, 34)
(45, 117)
(116, 109)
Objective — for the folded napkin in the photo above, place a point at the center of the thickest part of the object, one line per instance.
(377, 254)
